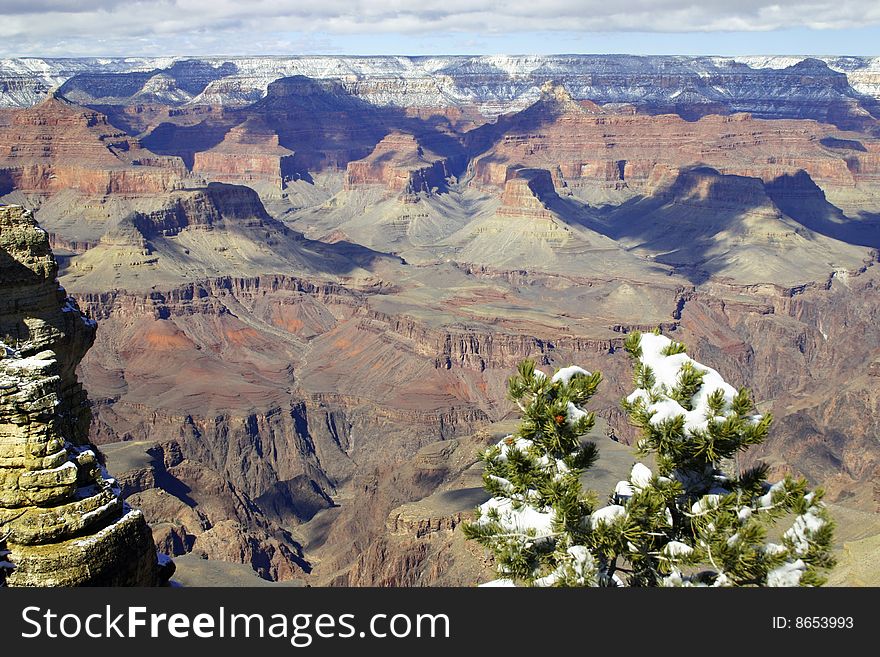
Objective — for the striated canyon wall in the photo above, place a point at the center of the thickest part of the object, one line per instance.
(56, 146)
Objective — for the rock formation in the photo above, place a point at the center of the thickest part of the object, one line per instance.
(61, 515)
(588, 145)
(831, 89)
(323, 125)
(193, 508)
(200, 232)
(249, 152)
(402, 165)
(528, 193)
(57, 145)
(403, 533)
(302, 127)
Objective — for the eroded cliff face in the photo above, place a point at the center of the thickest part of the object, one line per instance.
(249, 152)
(810, 353)
(193, 508)
(402, 165)
(61, 516)
(585, 145)
(405, 529)
(58, 146)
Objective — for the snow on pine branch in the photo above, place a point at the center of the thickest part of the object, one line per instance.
(687, 523)
(666, 368)
(692, 420)
(537, 517)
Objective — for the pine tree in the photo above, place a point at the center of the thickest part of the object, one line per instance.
(537, 522)
(693, 523)
(690, 524)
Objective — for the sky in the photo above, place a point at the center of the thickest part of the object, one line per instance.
(71, 28)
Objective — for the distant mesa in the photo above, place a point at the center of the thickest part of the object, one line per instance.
(727, 224)
(583, 146)
(324, 126)
(528, 193)
(300, 126)
(559, 99)
(177, 84)
(402, 165)
(250, 152)
(306, 93)
(535, 228)
(58, 145)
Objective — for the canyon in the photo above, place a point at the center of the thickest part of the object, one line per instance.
(312, 277)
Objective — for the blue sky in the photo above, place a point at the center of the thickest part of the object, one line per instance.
(235, 27)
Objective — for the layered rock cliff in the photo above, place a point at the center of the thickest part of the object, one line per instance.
(193, 508)
(402, 165)
(828, 88)
(62, 517)
(249, 152)
(403, 530)
(587, 145)
(57, 146)
(526, 193)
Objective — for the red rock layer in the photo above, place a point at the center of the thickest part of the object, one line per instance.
(57, 145)
(401, 164)
(526, 193)
(249, 152)
(578, 143)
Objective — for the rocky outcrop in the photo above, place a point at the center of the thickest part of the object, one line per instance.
(57, 146)
(61, 515)
(303, 127)
(527, 193)
(200, 232)
(809, 352)
(192, 508)
(409, 520)
(403, 530)
(296, 500)
(452, 349)
(249, 153)
(207, 208)
(602, 146)
(402, 165)
(320, 122)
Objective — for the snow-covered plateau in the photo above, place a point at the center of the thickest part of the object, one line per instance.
(494, 84)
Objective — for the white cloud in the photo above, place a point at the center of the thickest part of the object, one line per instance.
(115, 26)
